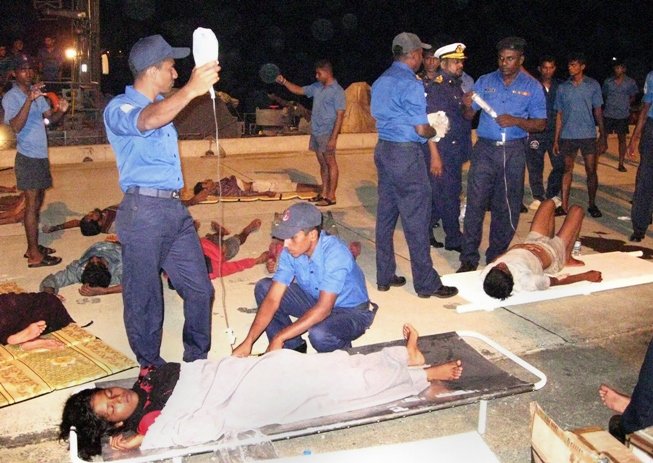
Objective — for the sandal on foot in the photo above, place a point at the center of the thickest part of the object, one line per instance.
(316, 199)
(325, 202)
(43, 250)
(47, 261)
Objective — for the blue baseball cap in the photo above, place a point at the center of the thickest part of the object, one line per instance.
(153, 49)
(22, 61)
(297, 217)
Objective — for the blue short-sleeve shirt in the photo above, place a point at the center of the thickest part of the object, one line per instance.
(648, 93)
(618, 96)
(399, 104)
(32, 140)
(577, 104)
(330, 268)
(327, 101)
(147, 159)
(523, 98)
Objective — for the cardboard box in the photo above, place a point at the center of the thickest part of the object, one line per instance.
(552, 444)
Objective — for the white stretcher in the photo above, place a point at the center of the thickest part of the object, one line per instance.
(482, 380)
(619, 270)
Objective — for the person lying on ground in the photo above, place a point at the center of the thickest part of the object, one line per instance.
(634, 412)
(25, 317)
(246, 393)
(99, 270)
(233, 186)
(219, 251)
(93, 223)
(528, 266)
(12, 208)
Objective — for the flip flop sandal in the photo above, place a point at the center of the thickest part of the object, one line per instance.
(47, 261)
(316, 199)
(325, 202)
(43, 250)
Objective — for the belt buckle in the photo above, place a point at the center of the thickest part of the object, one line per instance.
(174, 195)
(499, 143)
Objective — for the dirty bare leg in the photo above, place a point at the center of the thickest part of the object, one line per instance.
(544, 219)
(253, 226)
(615, 401)
(569, 232)
(415, 356)
(324, 173)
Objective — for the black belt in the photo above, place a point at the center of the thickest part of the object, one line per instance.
(500, 142)
(153, 192)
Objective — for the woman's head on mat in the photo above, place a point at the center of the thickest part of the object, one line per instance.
(95, 413)
(498, 282)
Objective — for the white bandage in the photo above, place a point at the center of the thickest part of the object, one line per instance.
(440, 122)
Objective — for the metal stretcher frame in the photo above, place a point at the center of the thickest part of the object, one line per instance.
(279, 432)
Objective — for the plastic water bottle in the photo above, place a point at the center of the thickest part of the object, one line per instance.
(576, 250)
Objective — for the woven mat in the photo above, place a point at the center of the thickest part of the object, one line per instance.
(27, 374)
(285, 196)
(7, 287)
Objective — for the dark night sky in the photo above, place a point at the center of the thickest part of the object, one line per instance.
(356, 35)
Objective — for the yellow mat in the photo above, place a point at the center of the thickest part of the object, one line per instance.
(27, 374)
(285, 196)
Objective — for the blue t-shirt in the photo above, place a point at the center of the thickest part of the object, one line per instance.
(399, 104)
(648, 93)
(331, 268)
(32, 140)
(327, 101)
(577, 104)
(147, 159)
(617, 97)
(523, 98)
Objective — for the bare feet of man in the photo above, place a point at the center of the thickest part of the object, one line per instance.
(612, 399)
(415, 356)
(445, 372)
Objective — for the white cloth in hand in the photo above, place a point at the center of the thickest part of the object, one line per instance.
(440, 122)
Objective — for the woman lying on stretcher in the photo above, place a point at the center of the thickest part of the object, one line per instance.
(164, 407)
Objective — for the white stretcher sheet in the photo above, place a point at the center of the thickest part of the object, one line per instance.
(619, 269)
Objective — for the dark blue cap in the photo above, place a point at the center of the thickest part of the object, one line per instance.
(153, 49)
(300, 216)
(22, 61)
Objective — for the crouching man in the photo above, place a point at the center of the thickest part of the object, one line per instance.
(528, 266)
(317, 282)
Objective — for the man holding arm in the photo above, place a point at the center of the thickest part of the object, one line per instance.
(26, 111)
(156, 231)
(496, 174)
(326, 121)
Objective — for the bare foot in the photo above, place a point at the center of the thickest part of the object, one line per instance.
(33, 331)
(415, 356)
(215, 226)
(41, 343)
(571, 262)
(445, 372)
(612, 399)
(253, 226)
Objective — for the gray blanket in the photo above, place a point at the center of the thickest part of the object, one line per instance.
(213, 398)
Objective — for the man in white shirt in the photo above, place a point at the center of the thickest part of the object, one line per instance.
(528, 266)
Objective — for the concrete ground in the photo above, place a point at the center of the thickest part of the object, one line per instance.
(578, 342)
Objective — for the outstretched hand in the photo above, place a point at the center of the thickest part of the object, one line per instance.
(242, 350)
(593, 276)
